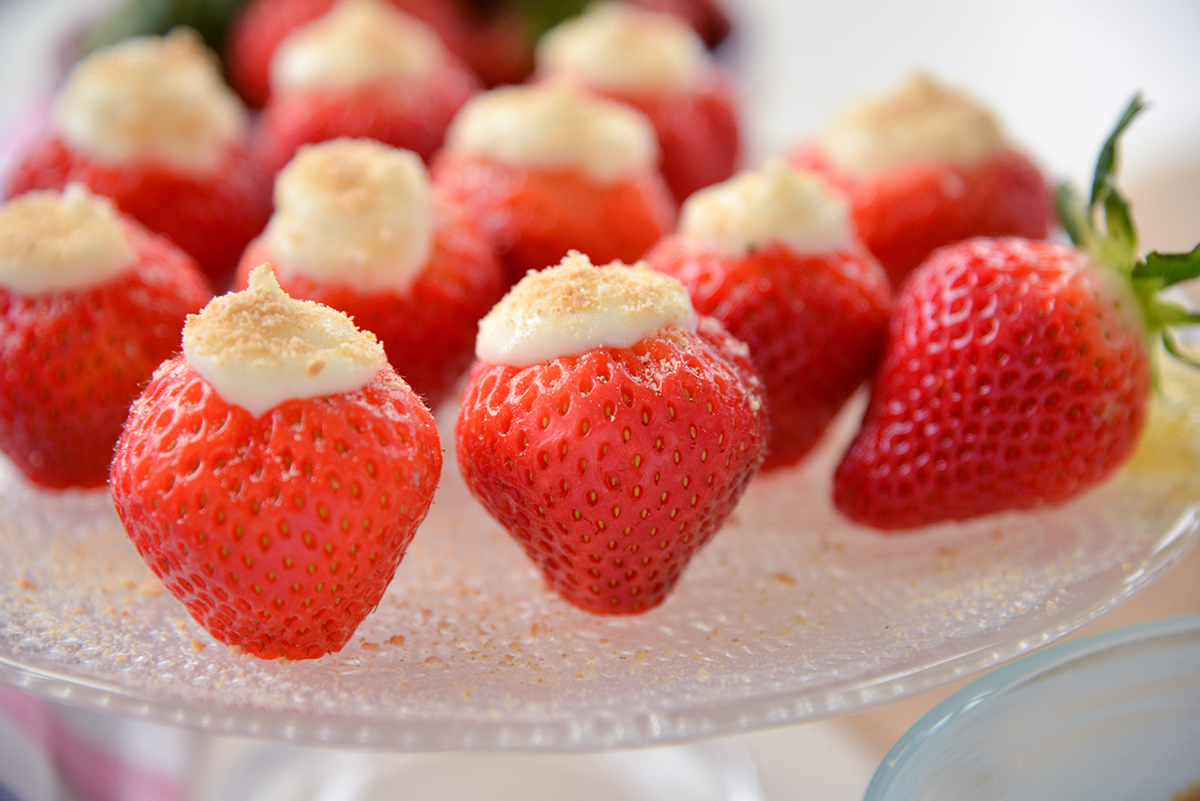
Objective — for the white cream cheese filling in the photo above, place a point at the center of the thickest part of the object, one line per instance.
(774, 204)
(354, 212)
(355, 42)
(574, 307)
(620, 47)
(555, 125)
(150, 97)
(921, 121)
(68, 241)
(259, 348)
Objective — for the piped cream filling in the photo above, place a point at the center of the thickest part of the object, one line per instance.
(259, 348)
(555, 125)
(774, 204)
(356, 42)
(353, 212)
(619, 47)
(156, 98)
(922, 121)
(52, 241)
(575, 307)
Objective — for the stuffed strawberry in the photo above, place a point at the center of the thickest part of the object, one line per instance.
(1016, 373)
(90, 304)
(547, 169)
(149, 123)
(273, 474)
(365, 69)
(357, 227)
(772, 255)
(609, 429)
(659, 65)
(924, 167)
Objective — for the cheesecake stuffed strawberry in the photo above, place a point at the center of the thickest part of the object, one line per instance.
(549, 168)
(357, 226)
(150, 123)
(1017, 372)
(274, 472)
(658, 64)
(772, 254)
(90, 304)
(364, 69)
(924, 166)
(609, 428)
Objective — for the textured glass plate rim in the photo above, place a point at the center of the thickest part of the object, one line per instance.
(678, 720)
(977, 697)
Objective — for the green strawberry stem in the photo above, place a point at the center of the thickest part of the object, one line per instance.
(1104, 228)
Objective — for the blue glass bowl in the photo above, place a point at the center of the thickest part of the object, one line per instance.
(1114, 716)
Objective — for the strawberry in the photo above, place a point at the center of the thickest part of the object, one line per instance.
(364, 69)
(346, 202)
(546, 169)
(609, 430)
(273, 474)
(657, 64)
(908, 200)
(1016, 373)
(75, 353)
(149, 123)
(493, 45)
(796, 286)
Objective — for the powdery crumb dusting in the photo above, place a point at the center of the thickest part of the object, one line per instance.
(575, 306)
(923, 120)
(67, 240)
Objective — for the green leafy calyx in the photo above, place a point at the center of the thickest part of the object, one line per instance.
(1103, 226)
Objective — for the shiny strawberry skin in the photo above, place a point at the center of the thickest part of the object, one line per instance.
(409, 114)
(815, 326)
(905, 213)
(280, 533)
(699, 134)
(612, 468)
(537, 216)
(429, 331)
(73, 361)
(212, 217)
(1015, 376)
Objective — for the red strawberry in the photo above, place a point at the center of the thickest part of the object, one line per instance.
(381, 74)
(428, 327)
(211, 210)
(211, 217)
(1016, 373)
(657, 64)
(279, 530)
(531, 185)
(907, 209)
(494, 46)
(75, 357)
(611, 465)
(814, 316)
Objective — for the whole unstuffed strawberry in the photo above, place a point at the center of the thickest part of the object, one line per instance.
(547, 169)
(658, 64)
(927, 166)
(273, 474)
(90, 304)
(149, 123)
(358, 228)
(772, 255)
(364, 69)
(1016, 373)
(609, 429)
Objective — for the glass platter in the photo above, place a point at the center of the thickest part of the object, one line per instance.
(790, 614)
